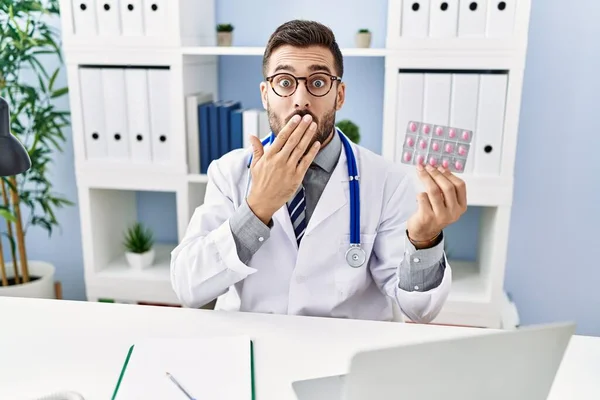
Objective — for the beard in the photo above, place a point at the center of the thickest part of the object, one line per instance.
(325, 124)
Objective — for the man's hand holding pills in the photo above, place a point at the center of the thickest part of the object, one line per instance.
(442, 203)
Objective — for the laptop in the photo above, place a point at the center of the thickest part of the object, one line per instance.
(517, 364)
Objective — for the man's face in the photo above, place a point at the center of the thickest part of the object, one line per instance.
(302, 62)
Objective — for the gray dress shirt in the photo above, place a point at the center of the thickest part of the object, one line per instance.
(416, 274)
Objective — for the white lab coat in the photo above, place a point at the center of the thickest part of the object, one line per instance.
(314, 279)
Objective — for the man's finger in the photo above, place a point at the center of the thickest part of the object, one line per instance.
(459, 186)
(284, 134)
(301, 148)
(299, 132)
(425, 205)
(257, 149)
(308, 158)
(447, 188)
(434, 192)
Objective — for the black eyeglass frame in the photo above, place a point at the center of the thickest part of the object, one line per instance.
(333, 78)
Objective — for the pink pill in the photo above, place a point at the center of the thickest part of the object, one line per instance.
(420, 159)
(423, 144)
(466, 135)
(449, 148)
(407, 156)
(435, 146)
(413, 127)
(426, 129)
(439, 131)
(462, 150)
(433, 161)
(452, 133)
(458, 165)
(445, 163)
(410, 141)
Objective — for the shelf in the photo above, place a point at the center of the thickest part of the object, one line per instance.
(468, 285)
(120, 282)
(258, 51)
(159, 271)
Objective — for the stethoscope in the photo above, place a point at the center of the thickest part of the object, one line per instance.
(355, 255)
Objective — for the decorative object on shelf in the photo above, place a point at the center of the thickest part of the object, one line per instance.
(139, 245)
(363, 38)
(37, 123)
(224, 34)
(350, 129)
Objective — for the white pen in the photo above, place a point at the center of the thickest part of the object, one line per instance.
(172, 378)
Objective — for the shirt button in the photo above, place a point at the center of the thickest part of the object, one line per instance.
(416, 259)
(260, 238)
(416, 288)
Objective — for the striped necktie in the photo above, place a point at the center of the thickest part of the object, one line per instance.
(296, 208)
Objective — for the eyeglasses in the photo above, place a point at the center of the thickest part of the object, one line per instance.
(317, 84)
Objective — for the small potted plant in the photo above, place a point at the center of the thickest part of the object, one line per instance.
(224, 34)
(350, 129)
(363, 38)
(139, 246)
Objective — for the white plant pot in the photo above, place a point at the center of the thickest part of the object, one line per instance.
(41, 287)
(140, 261)
(224, 38)
(363, 40)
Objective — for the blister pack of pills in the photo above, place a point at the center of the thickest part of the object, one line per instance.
(436, 145)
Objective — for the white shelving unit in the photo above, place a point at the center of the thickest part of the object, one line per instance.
(177, 37)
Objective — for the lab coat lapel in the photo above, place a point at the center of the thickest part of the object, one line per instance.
(282, 216)
(334, 195)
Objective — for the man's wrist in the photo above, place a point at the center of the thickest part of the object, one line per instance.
(428, 243)
(262, 213)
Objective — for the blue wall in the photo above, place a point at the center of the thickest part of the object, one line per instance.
(555, 214)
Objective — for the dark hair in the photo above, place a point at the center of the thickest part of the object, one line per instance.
(301, 33)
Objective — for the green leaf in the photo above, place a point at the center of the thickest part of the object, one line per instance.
(59, 92)
(4, 213)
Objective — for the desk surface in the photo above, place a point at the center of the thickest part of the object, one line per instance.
(68, 345)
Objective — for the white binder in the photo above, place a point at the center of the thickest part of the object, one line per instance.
(501, 18)
(115, 113)
(250, 125)
(410, 105)
(109, 23)
(444, 18)
(264, 129)
(138, 117)
(472, 18)
(90, 82)
(490, 124)
(415, 18)
(158, 98)
(132, 23)
(155, 17)
(437, 98)
(463, 109)
(84, 17)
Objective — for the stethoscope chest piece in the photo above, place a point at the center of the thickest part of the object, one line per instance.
(355, 256)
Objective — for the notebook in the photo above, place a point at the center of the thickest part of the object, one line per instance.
(206, 367)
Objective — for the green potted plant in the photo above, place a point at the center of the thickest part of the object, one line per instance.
(350, 129)
(30, 89)
(224, 34)
(363, 38)
(139, 246)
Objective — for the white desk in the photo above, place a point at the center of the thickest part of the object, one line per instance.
(50, 345)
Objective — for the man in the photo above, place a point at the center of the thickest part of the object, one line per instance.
(278, 243)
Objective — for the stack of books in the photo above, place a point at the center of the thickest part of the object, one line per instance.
(215, 128)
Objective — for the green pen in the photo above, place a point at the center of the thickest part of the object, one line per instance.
(172, 378)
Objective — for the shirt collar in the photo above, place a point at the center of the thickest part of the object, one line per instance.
(329, 155)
